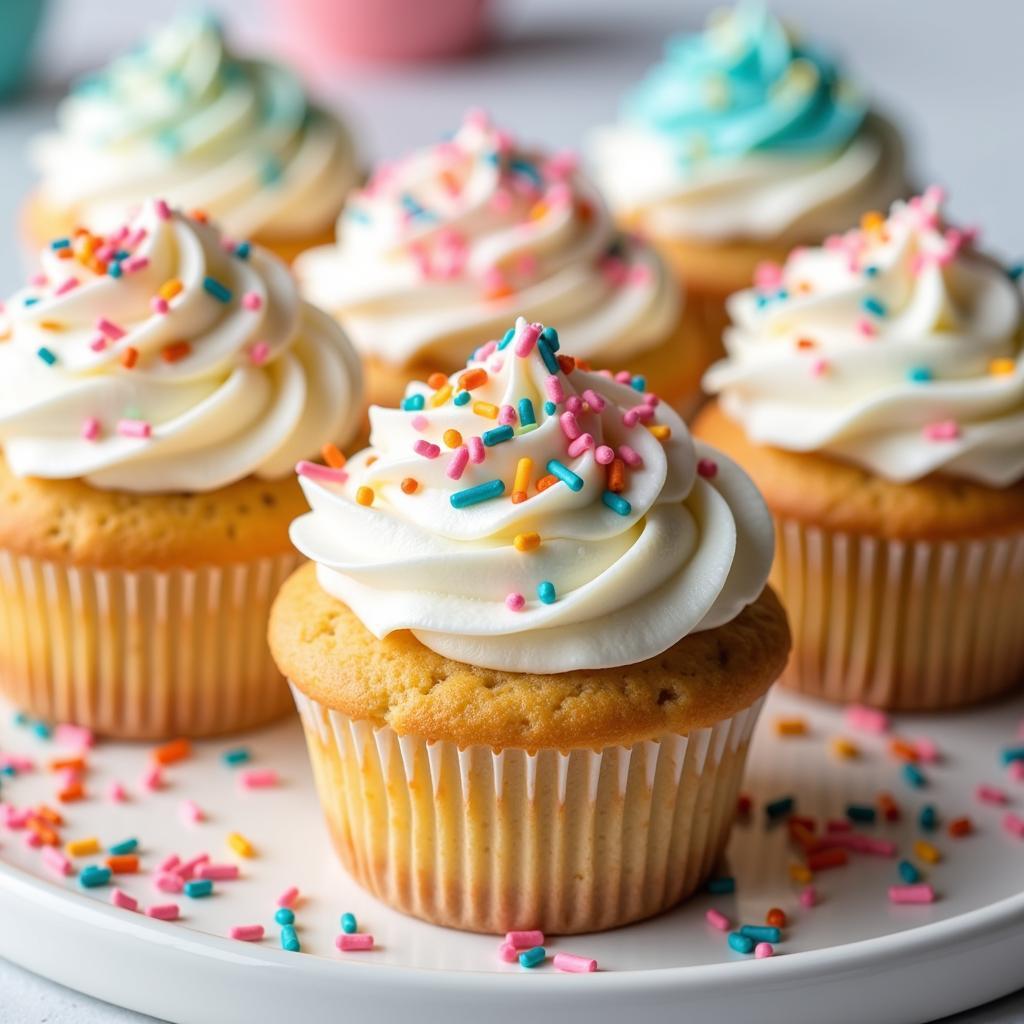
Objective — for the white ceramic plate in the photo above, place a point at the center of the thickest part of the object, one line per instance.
(853, 957)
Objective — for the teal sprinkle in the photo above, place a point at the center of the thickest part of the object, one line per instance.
(236, 755)
(872, 305)
(616, 503)
(290, 940)
(546, 592)
(527, 416)
(549, 408)
(242, 250)
(498, 434)
(871, 271)
(761, 933)
(721, 886)
(492, 157)
(359, 216)
(197, 888)
(527, 169)
(31, 300)
(46, 355)
(532, 957)
(348, 924)
(782, 295)
(125, 846)
(549, 357)
(413, 403)
(919, 374)
(741, 943)
(913, 776)
(114, 270)
(908, 872)
(550, 335)
(41, 729)
(761, 301)
(271, 171)
(219, 291)
(928, 819)
(461, 397)
(20, 718)
(169, 142)
(638, 383)
(60, 243)
(8, 769)
(94, 875)
(122, 254)
(284, 915)
(476, 495)
(778, 808)
(861, 812)
(566, 475)
(1010, 754)
(1015, 272)
(507, 339)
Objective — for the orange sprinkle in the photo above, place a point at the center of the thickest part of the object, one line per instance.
(842, 747)
(616, 476)
(800, 873)
(806, 343)
(802, 836)
(200, 215)
(76, 791)
(1001, 367)
(584, 210)
(49, 814)
(526, 541)
(44, 833)
(500, 291)
(546, 481)
(371, 459)
(437, 381)
(872, 221)
(61, 764)
(129, 357)
(170, 288)
(169, 753)
(662, 431)
(776, 918)
(486, 410)
(452, 438)
(365, 496)
(582, 364)
(175, 351)
(888, 806)
(566, 364)
(124, 863)
(538, 210)
(903, 750)
(410, 486)
(518, 497)
(333, 456)
(960, 827)
(791, 726)
(473, 379)
(440, 396)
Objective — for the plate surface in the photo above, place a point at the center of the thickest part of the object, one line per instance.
(852, 957)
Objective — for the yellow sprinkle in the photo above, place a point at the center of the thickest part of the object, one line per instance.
(486, 409)
(526, 541)
(800, 873)
(452, 438)
(662, 431)
(365, 496)
(170, 288)
(925, 851)
(51, 325)
(82, 847)
(872, 221)
(842, 747)
(1001, 367)
(522, 478)
(241, 845)
(791, 726)
(440, 396)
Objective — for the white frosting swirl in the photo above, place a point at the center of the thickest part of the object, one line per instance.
(182, 118)
(105, 379)
(446, 246)
(682, 547)
(896, 346)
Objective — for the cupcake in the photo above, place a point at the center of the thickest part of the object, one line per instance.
(156, 388)
(532, 648)
(183, 118)
(741, 144)
(875, 393)
(446, 246)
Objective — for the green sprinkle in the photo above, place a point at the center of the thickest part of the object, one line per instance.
(348, 924)
(461, 397)
(550, 335)
(475, 495)
(198, 887)
(546, 592)
(413, 403)
(617, 503)
(125, 846)
(289, 940)
(498, 434)
(526, 412)
(46, 355)
(284, 916)
(566, 475)
(219, 291)
(236, 755)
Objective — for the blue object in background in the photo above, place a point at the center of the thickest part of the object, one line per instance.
(21, 21)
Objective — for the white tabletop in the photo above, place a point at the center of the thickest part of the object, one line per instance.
(947, 70)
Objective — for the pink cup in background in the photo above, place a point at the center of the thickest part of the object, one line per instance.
(325, 31)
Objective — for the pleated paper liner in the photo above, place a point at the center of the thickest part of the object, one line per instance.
(904, 625)
(489, 841)
(142, 654)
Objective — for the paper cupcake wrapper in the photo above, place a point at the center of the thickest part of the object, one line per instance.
(490, 841)
(905, 625)
(142, 654)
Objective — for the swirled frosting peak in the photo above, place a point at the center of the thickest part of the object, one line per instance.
(162, 358)
(529, 514)
(445, 246)
(183, 118)
(896, 346)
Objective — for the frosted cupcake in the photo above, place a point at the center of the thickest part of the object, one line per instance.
(742, 143)
(532, 648)
(875, 392)
(156, 388)
(182, 117)
(448, 245)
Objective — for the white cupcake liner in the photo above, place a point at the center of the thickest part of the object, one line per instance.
(495, 840)
(141, 654)
(905, 625)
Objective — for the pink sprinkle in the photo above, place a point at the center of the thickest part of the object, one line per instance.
(121, 899)
(508, 953)
(651, 399)
(134, 264)
(624, 377)
(573, 964)
(252, 300)
(809, 896)
(257, 778)
(169, 881)
(717, 919)
(457, 463)
(98, 344)
(570, 425)
(553, 389)
(164, 911)
(66, 285)
(922, 892)
(357, 942)
(561, 165)
(1013, 824)
(116, 793)
(38, 280)
(161, 209)
(476, 450)
(582, 443)
(247, 932)
(942, 430)
(574, 404)
(860, 844)
(108, 329)
(15, 819)
(818, 367)
(763, 949)
(593, 399)
(867, 719)
(707, 468)
(169, 863)
(420, 422)
(496, 364)
(160, 305)
(484, 351)
(1016, 771)
(152, 778)
(507, 415)
(866, 327)
(631, 458)
(314, 471)
(990, 795)
(604, 456)
(56, 861)
(18, 763)
(134, 428)
(768, 275)
(525, 939)
(259, 353)
(32, 840)
(641, 274)
(289, 897)
(515, 602)
(630, 418)
(90, 428)
(838, 825)
(927, 751)
(527, 339)
(187, 868)
(190, 812)
(426, 449)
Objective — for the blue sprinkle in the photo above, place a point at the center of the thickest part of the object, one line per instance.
(566, 475)
(527, 415)
(928, 819)
(532, 957)
(550, 335)
(94, 875)
(617, 503)
(498, 434)
(198, 887)
(1015, 272)
(919, 374)
(507, 338)
(872, 305)
(236, 755)
(777, 808)
(908, 872)
(549, 408)
(31, 300)
(125, 846)
(741, 943)
(413, 403)
(284, 915)
(289, 939)
(41, 729)
(638, 383)
(348, 924)
(475, 495)
(548, 355)
(546, 592)
(761, 933)
(219, 291)
(46, 355)
(242, 250)
(913, 776)
(60, 243)
(461, 397)
(861, 812)
(1010, 754)
(721, 886)
(114, 269)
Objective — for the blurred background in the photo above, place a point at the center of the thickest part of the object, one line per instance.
(947, 70)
